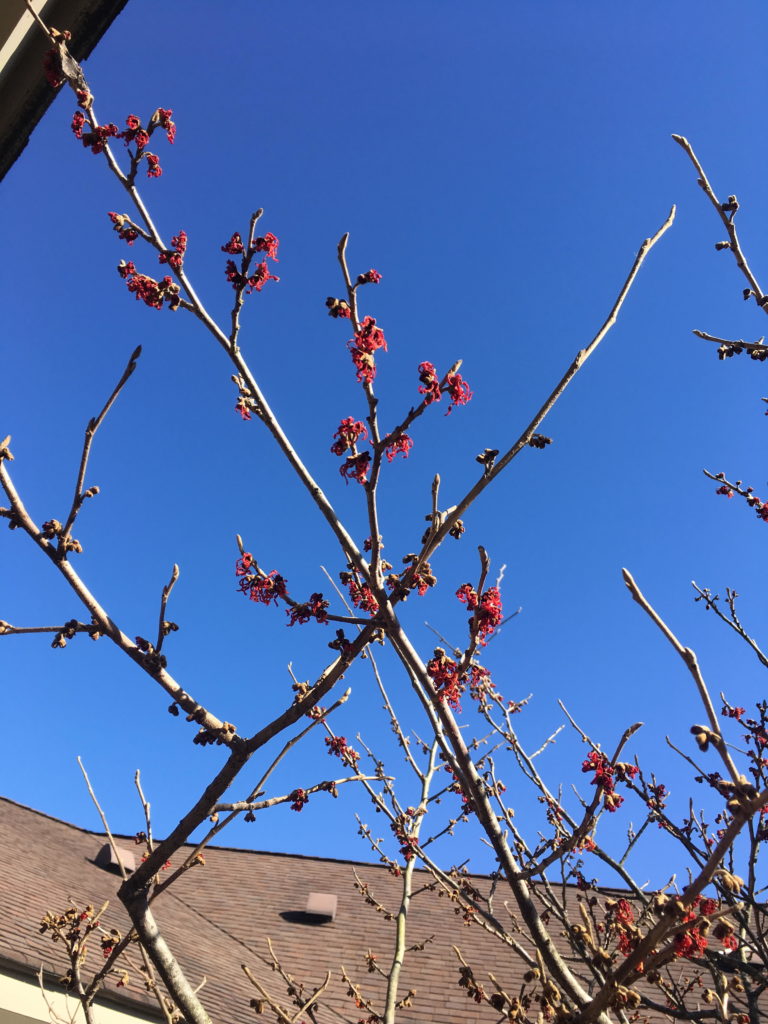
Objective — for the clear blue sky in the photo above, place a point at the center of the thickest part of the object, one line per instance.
(500, 164)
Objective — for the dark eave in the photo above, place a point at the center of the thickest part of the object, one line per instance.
(24, 92)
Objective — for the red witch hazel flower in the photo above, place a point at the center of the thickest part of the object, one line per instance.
(124, 228)
(458, 389)
(254, 282)
(400, 446)
(243, 279)
(338, 746)
(366, 341)
(338, 308)
(52, 67)
(299, 798)
(78, 121)
(259, 277)
(369, 337)
(349, 433)
(260, 587)
(243, 408)
(235, 245)
(175, 257)
(356, 467)
(598, 763)
(152, 293)
(135, 133)
(163, 119)
(267, 244)
(360, 594)
(455, 386)
(489, 612)
(154, 170)
(444, 673)
(430, 384)
(487, 609)
(365, 363)
(97, 139)
(369, 277)
(314, 608)
(467, 595)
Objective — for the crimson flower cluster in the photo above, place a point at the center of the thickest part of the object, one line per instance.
(367, 340)
(52, 65)
(175, 257)
(400, 446)
(455, 386)
(243, 279)
(356, 467)
(338, 308)
(134, 133)
(692, 941)
(314, 608)
(268, 588)
(369, 277)
(360, 594)
(481, 684)
(400, 827)
(260, 587)
(300, 798)
(430, 383)
(606, 775)
(419, 579)
(487, 609)
(350, 431)
(122, 225)
(268, 244)
(249, 282)
(444, 673)
(152, 293)
(760, 507)
(338, 747)
(98, 136)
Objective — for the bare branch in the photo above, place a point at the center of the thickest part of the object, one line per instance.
(90, 432)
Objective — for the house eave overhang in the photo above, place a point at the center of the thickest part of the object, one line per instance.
(25, 95)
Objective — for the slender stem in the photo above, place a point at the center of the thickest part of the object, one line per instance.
(691, 661)
(213, 725)
(90, 432)
(6, 629)
(398, 957)
(161, 628)
(580, 359)
(727, 217)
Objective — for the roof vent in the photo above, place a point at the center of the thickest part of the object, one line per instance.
(322, 905)
(106, 859)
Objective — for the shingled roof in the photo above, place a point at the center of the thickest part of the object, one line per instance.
(218, 917)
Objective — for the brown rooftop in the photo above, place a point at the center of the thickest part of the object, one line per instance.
(218, 917)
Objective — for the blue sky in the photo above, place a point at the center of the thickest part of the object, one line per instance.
(499, 164)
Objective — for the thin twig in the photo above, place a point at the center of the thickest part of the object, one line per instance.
(90, 432)
(749, 346)
(726, 212)
(692, 664)
(163, 626)
(580, 359)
